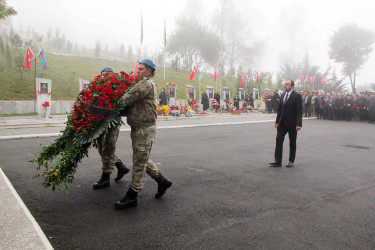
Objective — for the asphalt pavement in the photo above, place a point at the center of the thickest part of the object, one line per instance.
(224, 194)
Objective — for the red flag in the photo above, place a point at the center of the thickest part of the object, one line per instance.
(257, 78)
(322, 80)
(331, 85)
(310, 79)
(215, 76)
(243, 80)
(136, 69)
(193, 73)
(301, 80)
(29, 55)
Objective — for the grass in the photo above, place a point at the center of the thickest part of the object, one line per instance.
(65, 72)
(12, 115)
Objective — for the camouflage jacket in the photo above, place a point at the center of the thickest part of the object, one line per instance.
(140, 103)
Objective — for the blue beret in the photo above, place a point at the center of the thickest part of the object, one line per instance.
(107, 69)
(148, 62)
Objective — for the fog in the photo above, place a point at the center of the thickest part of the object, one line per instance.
(288, 29)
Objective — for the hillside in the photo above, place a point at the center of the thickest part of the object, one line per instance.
(65, 71)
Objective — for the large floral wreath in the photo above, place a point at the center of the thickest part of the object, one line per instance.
(96, 111)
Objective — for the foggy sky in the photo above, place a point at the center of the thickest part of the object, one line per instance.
(274, 22)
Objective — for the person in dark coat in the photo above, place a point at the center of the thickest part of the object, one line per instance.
(275, 101)
(236, 101)
(205, 101)
(163, 97)
(288, 120)
(217, 97)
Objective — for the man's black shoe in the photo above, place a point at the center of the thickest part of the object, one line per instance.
(121, 170)
(275, 164)
(103, 182)
(130, 200)
(163, 185)
(290, 164)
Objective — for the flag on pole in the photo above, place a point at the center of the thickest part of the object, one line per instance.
(243, 80)
(217, 72)
(193, 73)
(301, 80)
(310, 79)
(165, 34)
(141, 28)
(201, 75)
(248, 82)
(42, 58)
(29, 55)
(322, 80)
(257, 78)
(331, 85)
(136, 69)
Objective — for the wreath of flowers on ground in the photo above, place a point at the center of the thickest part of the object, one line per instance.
(95, 112)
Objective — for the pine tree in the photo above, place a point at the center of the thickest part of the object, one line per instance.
(8, 56)
(2, 45)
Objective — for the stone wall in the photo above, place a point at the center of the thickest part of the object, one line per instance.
(27, 107)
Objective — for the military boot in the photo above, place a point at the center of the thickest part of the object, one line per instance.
(121, 170)
(103, 182)
(163, 185)
(130, 200)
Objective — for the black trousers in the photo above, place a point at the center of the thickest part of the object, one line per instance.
(281, 132)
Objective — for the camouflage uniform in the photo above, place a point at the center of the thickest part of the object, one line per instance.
(141, 116)
(107, 148)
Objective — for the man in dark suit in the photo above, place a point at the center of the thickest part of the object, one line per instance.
(308, 100)
(288, 120)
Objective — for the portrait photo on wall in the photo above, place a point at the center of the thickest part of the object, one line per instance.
(44, 88)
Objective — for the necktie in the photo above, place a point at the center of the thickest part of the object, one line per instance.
(286, 98)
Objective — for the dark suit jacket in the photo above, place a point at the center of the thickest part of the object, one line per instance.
(290, 113)
(308, 101)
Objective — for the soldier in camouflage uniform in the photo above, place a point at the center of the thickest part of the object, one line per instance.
(106, 148)
(141, 116)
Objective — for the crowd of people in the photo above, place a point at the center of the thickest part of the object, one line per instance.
(332, 106)
(336, 106)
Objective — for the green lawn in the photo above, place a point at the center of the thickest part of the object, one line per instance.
(65, 71)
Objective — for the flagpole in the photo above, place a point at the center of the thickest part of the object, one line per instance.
(199, 84)
(165, 43)
(36, 89)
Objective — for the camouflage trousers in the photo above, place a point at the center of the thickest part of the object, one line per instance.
(107, 149)
(142, 139)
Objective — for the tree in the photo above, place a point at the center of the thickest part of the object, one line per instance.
(351, 46)
(292, 72)
(337, 84)
(231, 23)
(69, 46)
(5, 10)
(15, 40)
(7, 55)
(98, 47)
(2, 45)
(122, 50)
(175, 64)
(192, 41)
(130, 52)
(19, 61)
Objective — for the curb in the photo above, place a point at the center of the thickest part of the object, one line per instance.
(128, 129)
(21, 232)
